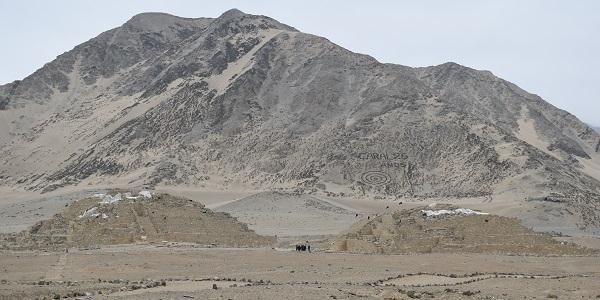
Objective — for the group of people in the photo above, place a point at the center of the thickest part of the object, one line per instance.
(303, 247)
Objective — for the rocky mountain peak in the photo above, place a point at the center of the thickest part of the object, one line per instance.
(239, 19)
(231, 14)
(158, 22)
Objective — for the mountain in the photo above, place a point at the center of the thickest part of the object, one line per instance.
(244, 100)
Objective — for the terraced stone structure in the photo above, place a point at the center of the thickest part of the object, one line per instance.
(413, 231)
(161, 218)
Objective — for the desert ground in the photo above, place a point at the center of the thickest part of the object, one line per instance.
(184, 272)
(154, 269)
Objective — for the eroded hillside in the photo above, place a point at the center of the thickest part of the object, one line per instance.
(245, 100)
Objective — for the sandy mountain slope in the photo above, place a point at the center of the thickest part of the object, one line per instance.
(281, 214)
(244, 99)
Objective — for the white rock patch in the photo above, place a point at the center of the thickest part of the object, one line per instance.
(146, 194)
(458, 211)
(90, 213)
(108, 199)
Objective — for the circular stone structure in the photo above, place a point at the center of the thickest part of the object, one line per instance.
(375, 178)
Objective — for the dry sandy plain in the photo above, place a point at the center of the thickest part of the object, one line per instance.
(162, 270)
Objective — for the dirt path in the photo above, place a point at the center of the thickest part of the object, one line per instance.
(55, 273)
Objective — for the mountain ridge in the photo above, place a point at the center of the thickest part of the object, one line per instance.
(246, 100)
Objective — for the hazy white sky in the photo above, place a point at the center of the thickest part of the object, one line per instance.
(550, 48)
